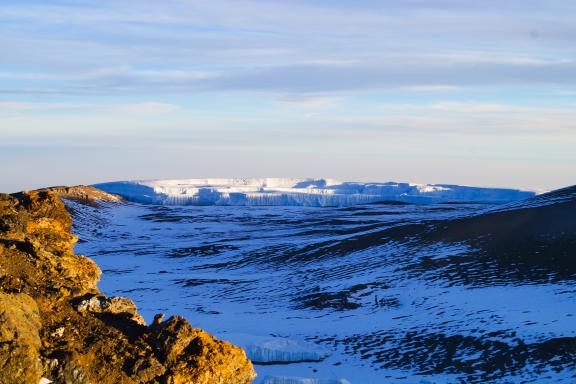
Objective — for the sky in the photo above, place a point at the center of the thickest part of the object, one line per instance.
(430, 91)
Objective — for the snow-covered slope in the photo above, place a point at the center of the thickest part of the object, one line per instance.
(371, 294)
(299, 192)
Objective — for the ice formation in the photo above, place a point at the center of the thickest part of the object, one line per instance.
(299, 192)
(277, 349)
(300, 380)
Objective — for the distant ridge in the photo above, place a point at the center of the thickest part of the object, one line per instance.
(300, 192)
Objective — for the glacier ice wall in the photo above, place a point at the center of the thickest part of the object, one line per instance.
(268, 350)
(300, 192)
(300, 380)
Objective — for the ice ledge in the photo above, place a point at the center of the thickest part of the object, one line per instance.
(277, 350)
(299, 192)
(300, 380)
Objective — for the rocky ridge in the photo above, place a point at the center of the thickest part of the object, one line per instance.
(55, 325)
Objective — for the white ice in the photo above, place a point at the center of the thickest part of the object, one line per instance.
(300, 380)
(299, 192)
(277, 349)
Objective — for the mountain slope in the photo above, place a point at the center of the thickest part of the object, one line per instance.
(533, 240)
(388, 292)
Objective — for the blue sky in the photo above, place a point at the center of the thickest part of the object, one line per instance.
(440, 91)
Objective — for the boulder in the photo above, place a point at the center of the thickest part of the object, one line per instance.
(193, 356)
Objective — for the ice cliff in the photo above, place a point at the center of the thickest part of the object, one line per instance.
(300, 192)
(270, 350)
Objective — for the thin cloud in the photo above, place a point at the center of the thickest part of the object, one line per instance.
(309, 101)
(152, 107)
(147, 107)
(480, 107)
(416, 75)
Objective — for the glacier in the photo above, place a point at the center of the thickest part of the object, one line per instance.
(299, 192)
(267, 350)
(300, 380)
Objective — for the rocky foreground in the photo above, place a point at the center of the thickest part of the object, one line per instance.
(55, 325)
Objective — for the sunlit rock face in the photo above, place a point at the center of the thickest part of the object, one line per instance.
(56, 326)
(299, 192)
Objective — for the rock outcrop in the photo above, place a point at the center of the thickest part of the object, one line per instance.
(55, 324)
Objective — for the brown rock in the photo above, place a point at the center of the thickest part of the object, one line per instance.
(111, 305)
(158, 318)
(19, 339)
(84, 194)
(54, 322)
(193, 356)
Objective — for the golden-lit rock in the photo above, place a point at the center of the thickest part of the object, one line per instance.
(55, 324)
(193, 356)
(19, 339)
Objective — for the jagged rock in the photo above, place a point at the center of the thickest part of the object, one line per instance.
(56, 325)
(83, 194)
(193, 356)
(19, 339)
(111, 305)
(158, 318)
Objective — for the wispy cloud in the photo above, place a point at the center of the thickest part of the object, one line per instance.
(390, 80)
(309, 101)
(27, 106)
(482, 107)
(422, 75)
(150, 107)
(191, 46)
